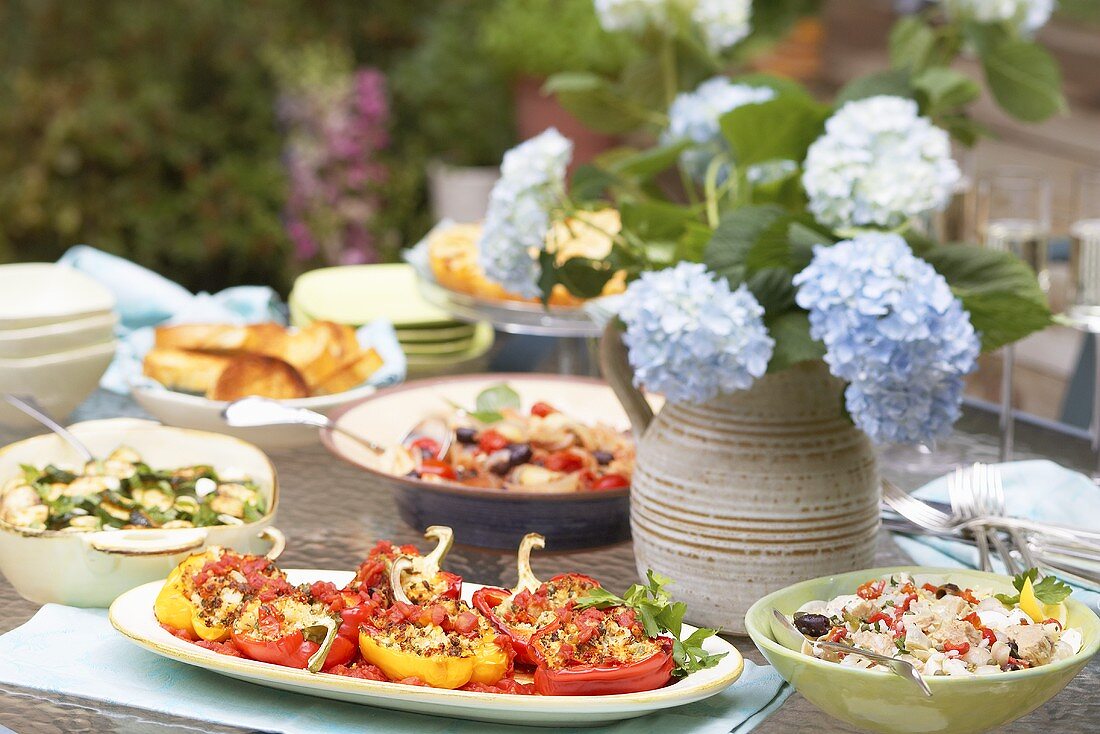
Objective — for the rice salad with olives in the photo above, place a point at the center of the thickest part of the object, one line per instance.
(123, 492)
(943, 629)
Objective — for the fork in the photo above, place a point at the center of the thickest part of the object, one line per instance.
(964, 506)
(932, 519)
(995, 505)
(980, 484)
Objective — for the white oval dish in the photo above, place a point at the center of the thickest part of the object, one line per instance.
(91, 569)
(132, 615)
(204, 414)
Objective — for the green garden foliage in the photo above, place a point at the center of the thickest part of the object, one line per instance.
(148, 129)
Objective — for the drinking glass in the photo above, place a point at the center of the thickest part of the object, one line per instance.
(1084, 261)
(1013, 215)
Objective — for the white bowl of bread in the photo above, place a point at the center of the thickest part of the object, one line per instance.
(194, 370)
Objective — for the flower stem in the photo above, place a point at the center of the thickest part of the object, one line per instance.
(710, 188)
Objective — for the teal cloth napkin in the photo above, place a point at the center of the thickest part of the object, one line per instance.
(146, 299)
(1038, 490)
(76, 652)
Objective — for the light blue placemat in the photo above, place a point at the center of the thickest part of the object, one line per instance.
(76, 652)
(1039, 490)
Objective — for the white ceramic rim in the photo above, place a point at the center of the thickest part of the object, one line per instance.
(317, 402)
(132, 615)
(51, 360)
(59, 328)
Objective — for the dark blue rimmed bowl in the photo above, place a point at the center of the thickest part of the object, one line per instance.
(488, 518)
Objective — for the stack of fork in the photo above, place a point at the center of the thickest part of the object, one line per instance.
(977, 515)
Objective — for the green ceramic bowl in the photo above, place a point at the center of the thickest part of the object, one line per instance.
(884, 702)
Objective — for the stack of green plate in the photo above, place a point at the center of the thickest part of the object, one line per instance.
(434, 343)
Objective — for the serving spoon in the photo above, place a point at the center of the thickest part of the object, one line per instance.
(28, 405)
(253, 412)
(900, 667)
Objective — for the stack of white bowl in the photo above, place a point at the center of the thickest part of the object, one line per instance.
(56, 337)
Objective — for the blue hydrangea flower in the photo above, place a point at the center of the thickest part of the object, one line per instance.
(633, 16)
(688, 336)
(894, 331)
(879, 163)
(694, 116)
(722, 22)
(1027, 16)
(532, 181)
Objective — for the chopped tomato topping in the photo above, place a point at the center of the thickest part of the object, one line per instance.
(435, 467)
(906, 602)
(465, 623)
(871, 589)
(1052, 620)
(564, 461)
(962, 648)
(930, 588)
(542, 409)
(490, 441)
(366, 671)
(427, 446)
(222, 648)
(968, 597)
(611, 481)
(836, 634)
(879, 617)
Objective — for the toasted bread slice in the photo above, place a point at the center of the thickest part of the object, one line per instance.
(225, 338)
(178, 369)
(342, 340)
(265, 338)
(254, 374)
(353, 372)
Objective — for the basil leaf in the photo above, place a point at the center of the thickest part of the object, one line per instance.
(1051, 590)
(496, 398)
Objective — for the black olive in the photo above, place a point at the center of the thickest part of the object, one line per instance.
(519, 453)
(603, 457)
(414, 474)
(1013, 650)
(814, 625)
(946, 589)
(141, 520)
(466, 435)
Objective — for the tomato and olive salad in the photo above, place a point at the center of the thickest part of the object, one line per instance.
(538, 450)
(566, 636)
(944, 629)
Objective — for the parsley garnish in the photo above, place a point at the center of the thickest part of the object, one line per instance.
(659, 614)
(1048, 590)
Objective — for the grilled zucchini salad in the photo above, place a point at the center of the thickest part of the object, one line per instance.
(122, 491)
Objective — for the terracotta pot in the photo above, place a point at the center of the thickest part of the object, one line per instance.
(460, 193)
(799, 55)
(749, 493)
(535, 112)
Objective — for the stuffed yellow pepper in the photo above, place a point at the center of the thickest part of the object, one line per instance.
(205, 592)
(443, 644)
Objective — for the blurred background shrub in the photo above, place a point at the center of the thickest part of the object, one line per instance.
(150, 129)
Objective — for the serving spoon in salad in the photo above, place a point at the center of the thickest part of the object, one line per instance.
(900, 667)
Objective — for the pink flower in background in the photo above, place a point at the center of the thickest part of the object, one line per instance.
(337, 123)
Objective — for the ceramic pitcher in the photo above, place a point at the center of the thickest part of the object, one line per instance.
(750, 492)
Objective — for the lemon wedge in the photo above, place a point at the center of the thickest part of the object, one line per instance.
(1038, 611)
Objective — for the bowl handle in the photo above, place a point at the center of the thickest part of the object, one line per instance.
(146, 542)
(278, 541)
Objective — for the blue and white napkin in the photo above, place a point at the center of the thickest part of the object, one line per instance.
(76, 652)
(1037, 490)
